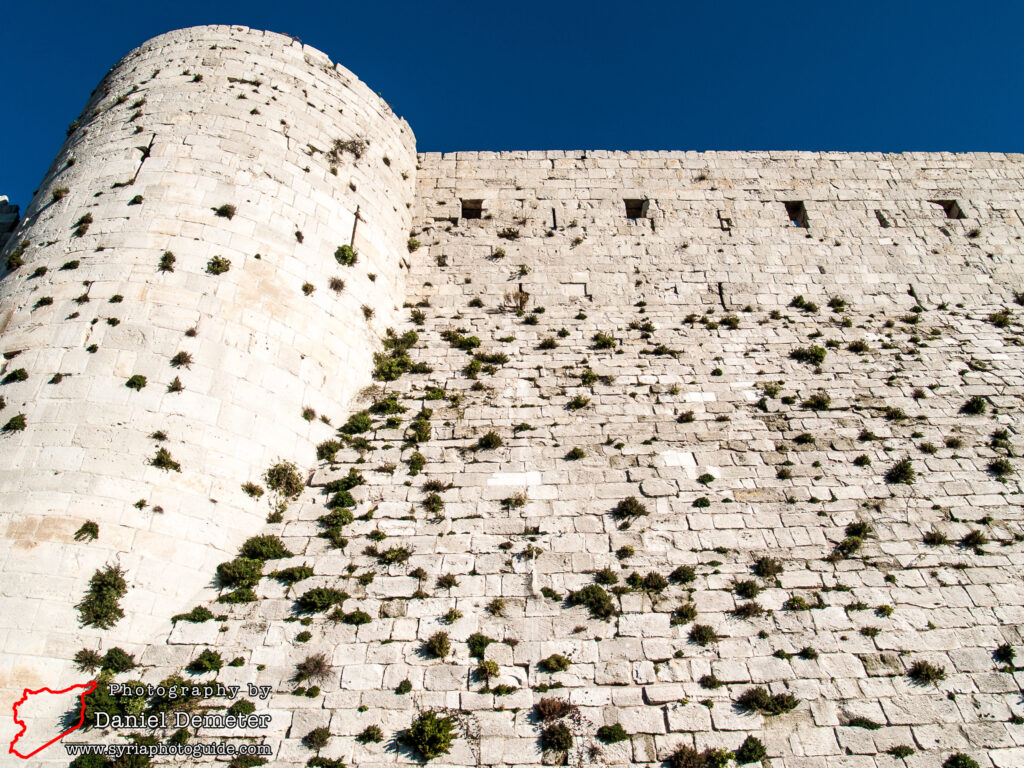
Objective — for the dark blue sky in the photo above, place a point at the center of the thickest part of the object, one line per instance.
(892, 76)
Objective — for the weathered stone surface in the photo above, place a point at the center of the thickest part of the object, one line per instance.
(698, 409)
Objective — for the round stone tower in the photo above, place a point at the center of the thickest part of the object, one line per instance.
(178, 314)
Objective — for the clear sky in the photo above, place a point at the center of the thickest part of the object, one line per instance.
(892, 76)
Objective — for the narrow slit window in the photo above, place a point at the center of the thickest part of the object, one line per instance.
(882, 220)
(797, 213)
(636, 209)
(472, 209)
(951, 208)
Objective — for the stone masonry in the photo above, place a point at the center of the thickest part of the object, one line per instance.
(8, 219)
(640, 432)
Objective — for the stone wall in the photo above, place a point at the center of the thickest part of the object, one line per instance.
(751, 384)
(8, 220)
(192, 121)
(732, 449)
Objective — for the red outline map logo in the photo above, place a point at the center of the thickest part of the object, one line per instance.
(89, 688)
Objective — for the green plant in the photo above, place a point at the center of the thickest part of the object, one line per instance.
(706, 479)
(438, 645)
(317, 738)
(319, 599)
(166, 263)
(1004, 654)
(265, 547)
(226, 211)
(240, 572)
(750, 751)
(252, 490)
(548, 710)
(556, 738)
(604, 341)
(612, 734)
(924, 673)
(702, 502)
(747, 589)
(370, 734)
(242, 707)
(207, 661)
(935, 539)
(175, 385)
(416, 462)
(284, 478)
(758, 699)
(702, 634)
(293, 575)
(218, 265)
(688, 757)
(595, 599)
(136, 382)
(315, 667)
(447, 581)
(1000, 468)
(847, 546)
(430, 735)
(554, 663)
(577, 403)
(901, 472)
(974, 406)
(88, 660)
(478, 643)
(551, 594)
(82, 225)
(796, 603)
(413, 244)
(489, 441)
(88, 531)
(819, 401)
(243, 595)
(197, 615)
(394, 556)
(100, 606)
(629, 508)
(345, 256)
(117, 660)
(15, 423)
(960, 760)
(18, 374)
(974, 539)
(901, 751)
(863, 722)
(812, 355)
(652, 583)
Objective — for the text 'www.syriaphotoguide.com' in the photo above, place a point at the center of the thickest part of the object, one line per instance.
(226, 749)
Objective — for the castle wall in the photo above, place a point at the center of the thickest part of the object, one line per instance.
(699, 413)
(191, 121)
(696, 408)
(8, 220)
(720, 217)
